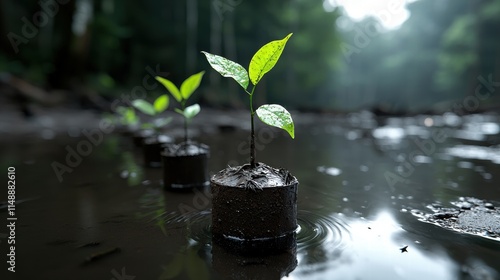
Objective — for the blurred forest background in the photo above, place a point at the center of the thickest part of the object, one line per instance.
(104, 49)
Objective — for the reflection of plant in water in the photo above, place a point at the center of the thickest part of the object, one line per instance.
(153, 203)
(186, 259)
(131, 170)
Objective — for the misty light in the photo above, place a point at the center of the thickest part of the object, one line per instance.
(390, 13)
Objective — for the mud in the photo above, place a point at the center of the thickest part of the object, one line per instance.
(262, 176)
(469, 215)
(186, 149)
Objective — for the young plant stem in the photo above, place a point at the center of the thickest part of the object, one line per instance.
(185, 130)
(183, 104)
(252, 133)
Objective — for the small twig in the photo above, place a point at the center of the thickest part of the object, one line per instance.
(90, 244)
(99, 255)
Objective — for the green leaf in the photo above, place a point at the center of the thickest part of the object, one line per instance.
(265, 59)
(144, 106)
(191, 111)
(170, 87)
(276, 115)
(191, 84)
(228, 68)
(128, 115)
(162, 121)
(161, 103)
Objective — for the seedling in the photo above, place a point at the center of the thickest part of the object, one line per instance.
(182, 95)
(127, 115)
(262, 62)
(154, 109)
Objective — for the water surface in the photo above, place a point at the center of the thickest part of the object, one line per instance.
(361, 181)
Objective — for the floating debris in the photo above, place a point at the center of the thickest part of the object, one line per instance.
(100, 255)
(404, 249)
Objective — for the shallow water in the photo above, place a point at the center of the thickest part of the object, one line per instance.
(361, 182)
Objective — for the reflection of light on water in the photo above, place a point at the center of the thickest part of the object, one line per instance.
(333, 171)
(428, 122)
(475, 152)
(387, 132)
(373, 252)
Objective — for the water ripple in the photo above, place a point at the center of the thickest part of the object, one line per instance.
(318, 231)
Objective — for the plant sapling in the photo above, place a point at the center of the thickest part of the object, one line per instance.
(262, 62)
(182, 95)
(157, 107)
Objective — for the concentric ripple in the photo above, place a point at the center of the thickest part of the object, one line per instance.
(199, 225)
(318, 231)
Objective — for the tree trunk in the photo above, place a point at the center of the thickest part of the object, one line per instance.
(191, 34)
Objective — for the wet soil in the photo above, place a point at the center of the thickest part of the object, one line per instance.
(185, 149)
(469, 215)
(262, 176)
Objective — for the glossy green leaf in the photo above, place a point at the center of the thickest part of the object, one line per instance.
(161, 103)
(191, 111)
(276, 115)
(144, 106)
(170, 87)
(191, 84)
(228, 68)
(265, 59)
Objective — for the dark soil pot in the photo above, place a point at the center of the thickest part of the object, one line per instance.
(254, 211)
(139, 136)
(152, 148)
(185, 166)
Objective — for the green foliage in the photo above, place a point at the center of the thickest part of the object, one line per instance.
(190, 111)
(265, 59)
(191, 84)
(188, 87)
(262, 62)
(144, 106)
(228, 68)
(161, 103)
(127, 115)
(276, 115)
(158, 106)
